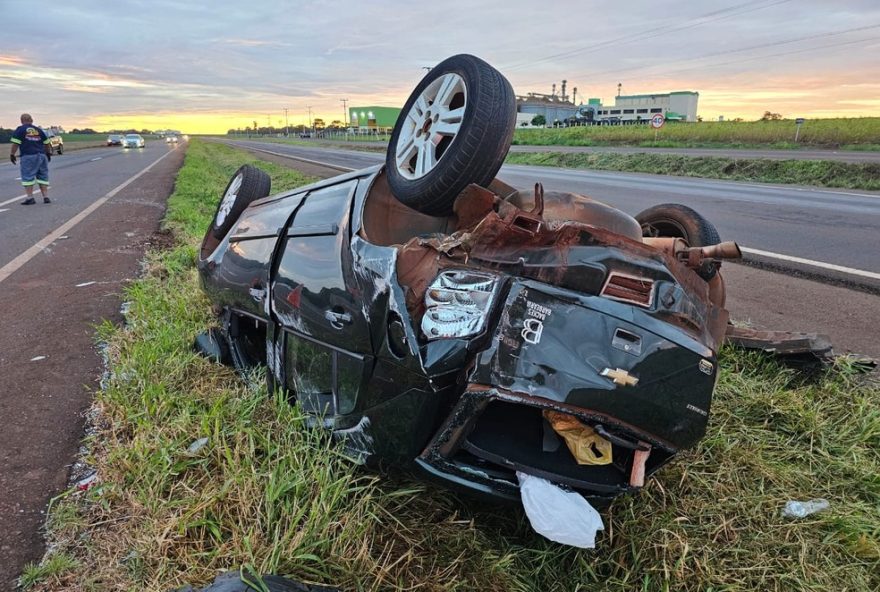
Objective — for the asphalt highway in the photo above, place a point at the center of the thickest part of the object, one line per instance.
(77, 180)
(824, 233)
(854, 156)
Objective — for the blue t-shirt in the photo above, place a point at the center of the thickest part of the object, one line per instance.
(30, 138)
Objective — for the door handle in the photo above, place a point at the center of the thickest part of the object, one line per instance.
(337, 319)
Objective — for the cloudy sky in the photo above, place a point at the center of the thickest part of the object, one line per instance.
(207, 66)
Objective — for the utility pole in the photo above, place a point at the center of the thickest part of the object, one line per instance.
(344, 112)
(619, 86)
(286, 124)
(310, 119)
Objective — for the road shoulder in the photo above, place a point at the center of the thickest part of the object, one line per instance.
(48, 356)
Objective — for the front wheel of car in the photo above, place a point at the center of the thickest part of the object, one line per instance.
(60, 149)
(455, 129)
(247, 184)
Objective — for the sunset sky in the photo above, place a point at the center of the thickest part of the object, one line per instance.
(205, 67)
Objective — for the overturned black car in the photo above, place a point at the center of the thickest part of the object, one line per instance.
(428, 313)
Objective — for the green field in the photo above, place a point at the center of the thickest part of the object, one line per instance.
(269, 494)
(94, 138)
(855, 133)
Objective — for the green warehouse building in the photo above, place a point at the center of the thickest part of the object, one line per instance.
(373, 117)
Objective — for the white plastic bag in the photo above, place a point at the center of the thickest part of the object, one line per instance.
(562, 516)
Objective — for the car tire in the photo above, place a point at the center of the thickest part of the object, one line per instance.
(434, 153)
(247, 184)
(679, 221)
(60, 150)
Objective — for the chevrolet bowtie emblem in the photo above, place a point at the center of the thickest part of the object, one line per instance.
(620, 376)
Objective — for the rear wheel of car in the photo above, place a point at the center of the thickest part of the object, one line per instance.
(455, 129)
(679, 221)
(247, 184)
(60, 149)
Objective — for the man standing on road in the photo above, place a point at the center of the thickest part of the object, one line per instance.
(35, 156)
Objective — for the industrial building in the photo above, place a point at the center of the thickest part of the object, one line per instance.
(554, 107)
(373, 117)
(560, 109)
(675, 106)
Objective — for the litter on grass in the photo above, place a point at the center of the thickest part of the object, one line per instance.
(197, 445)
(796, 509)
(564, 517)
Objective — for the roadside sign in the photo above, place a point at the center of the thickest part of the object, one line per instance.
(797, 130)
(657, 121)
(799, 120)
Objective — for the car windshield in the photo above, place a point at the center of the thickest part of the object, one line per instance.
(132, 137)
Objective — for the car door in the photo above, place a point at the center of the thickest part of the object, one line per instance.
(325, 339)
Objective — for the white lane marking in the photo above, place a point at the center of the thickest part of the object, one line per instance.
(4, 209)
(47, 240)
(797, 188)
(97, 158)
(9, 201)
(812, 263)
(84, 284)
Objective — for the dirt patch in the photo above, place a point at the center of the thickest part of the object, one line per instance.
(48, 358)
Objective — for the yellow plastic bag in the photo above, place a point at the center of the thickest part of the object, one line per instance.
(588, 447)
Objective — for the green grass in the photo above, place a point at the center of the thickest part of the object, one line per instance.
(822, 173)
(49, 571)
(93, 138)
(847, 133)
(270, 494)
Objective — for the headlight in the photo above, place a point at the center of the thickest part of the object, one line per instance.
(457, 303)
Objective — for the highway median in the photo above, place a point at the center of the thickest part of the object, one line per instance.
(820, 173)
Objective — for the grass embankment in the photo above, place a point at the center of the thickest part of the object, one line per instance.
(821, 173)
(861, 133)
(267, 492)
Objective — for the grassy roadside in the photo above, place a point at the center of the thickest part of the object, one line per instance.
(267, 492)
(821, 173)
(859, 133)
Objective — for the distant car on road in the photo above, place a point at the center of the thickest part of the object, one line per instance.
(114, 140)
(172, 140)
(56, 143)
(305, 135)
(133, 141)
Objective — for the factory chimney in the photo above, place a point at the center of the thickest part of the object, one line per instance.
(574, 94)
(564, 98)
(553, 94)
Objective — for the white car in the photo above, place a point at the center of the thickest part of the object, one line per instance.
(133, 141)
(171, 140)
